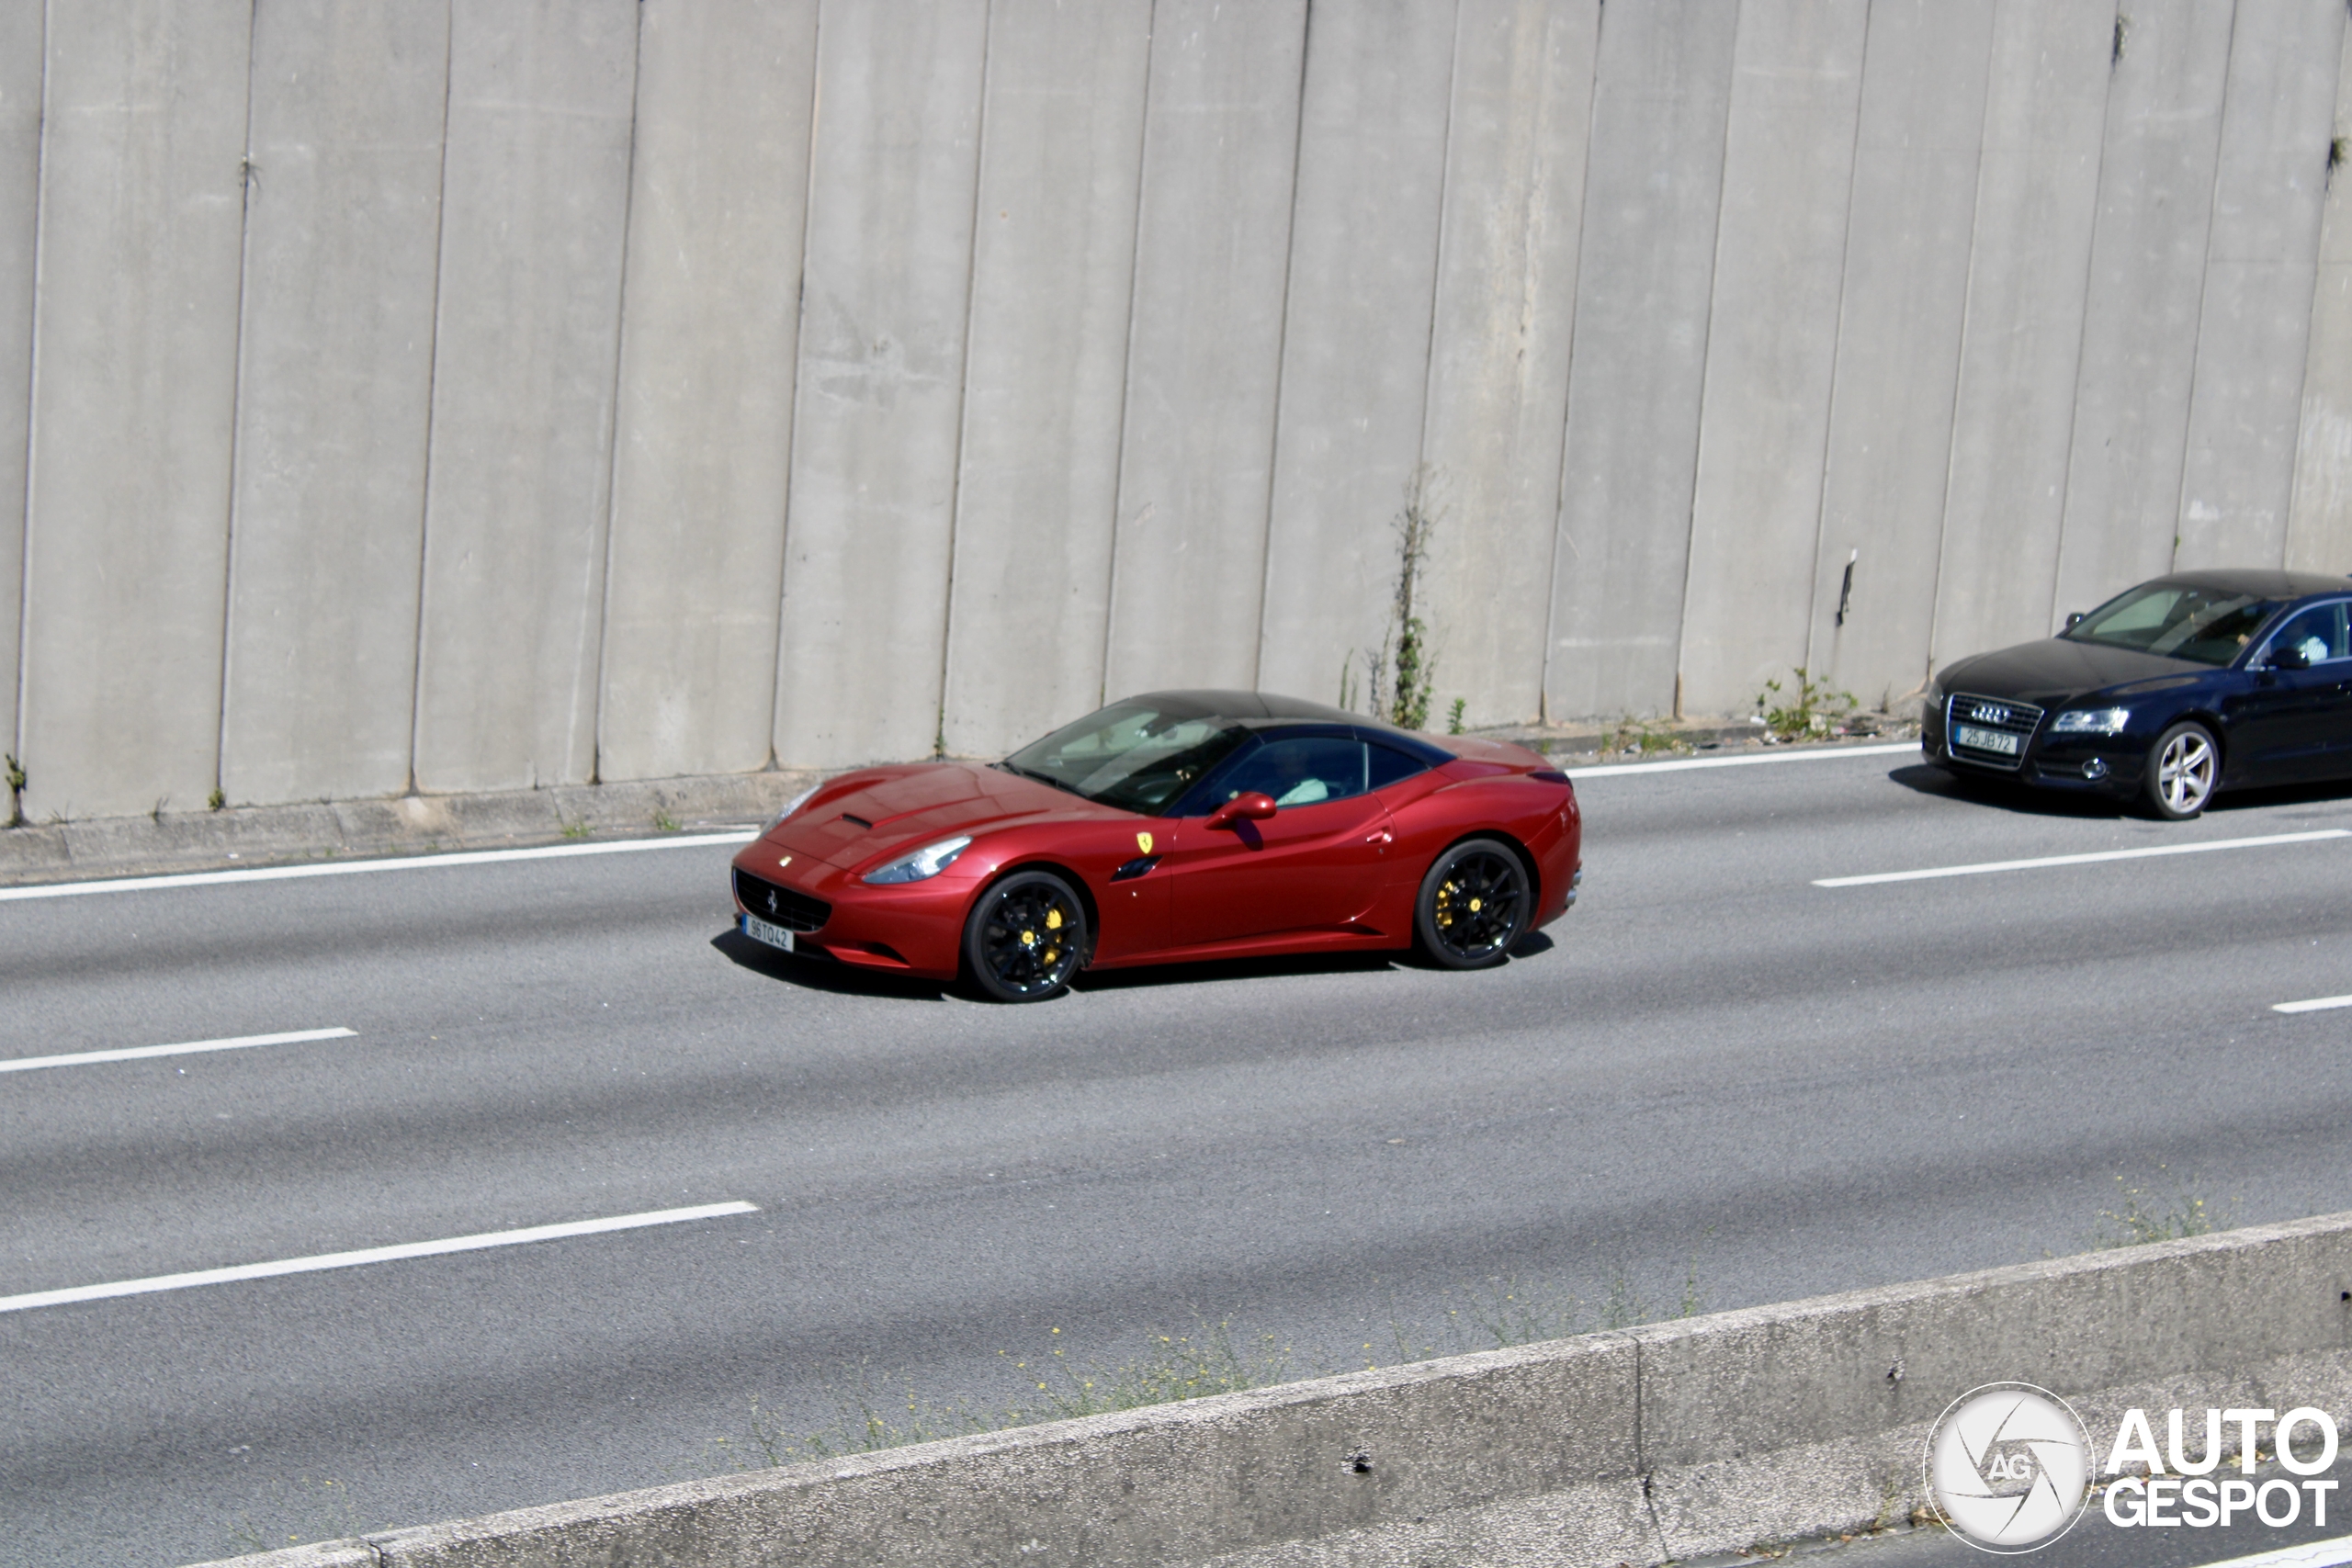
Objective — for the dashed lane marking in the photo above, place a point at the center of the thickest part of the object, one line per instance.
(1814, 754)
(369, 1255)
(2147, 852)
(352, 868)
(140, 1052)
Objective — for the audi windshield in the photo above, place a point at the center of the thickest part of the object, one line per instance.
(2173, 620)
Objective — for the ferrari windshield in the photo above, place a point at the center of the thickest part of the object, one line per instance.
(1134, 756)
(2206, 625)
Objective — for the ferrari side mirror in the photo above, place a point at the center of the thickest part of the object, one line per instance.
(1252, 806)
(2074, 619)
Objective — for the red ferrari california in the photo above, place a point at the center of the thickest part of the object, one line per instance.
(1167, 828)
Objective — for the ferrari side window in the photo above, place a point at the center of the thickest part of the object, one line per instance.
(1305, 770)
(1385, 766)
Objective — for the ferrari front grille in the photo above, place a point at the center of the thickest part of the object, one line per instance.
(795, 911)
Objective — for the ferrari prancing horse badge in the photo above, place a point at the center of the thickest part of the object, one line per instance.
(1143, 842)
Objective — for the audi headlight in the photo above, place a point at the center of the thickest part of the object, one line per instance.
(923, 865)
(2092, 721)
(794, 804)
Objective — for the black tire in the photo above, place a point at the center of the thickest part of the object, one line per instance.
(1474, 905)
(2184, 769)
(1025, 937)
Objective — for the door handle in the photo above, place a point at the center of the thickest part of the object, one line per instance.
(1383, 837)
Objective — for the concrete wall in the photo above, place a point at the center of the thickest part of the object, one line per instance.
(327, 521)
(22, 55)
(534, 209)
(458, 398)
(2320, 525)
(719, 196)
(1212, 232)
(1053, 270)
(2013, 416)
(1670, 1442)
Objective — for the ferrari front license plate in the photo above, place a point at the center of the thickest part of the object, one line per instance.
(775, 936)
(1986, 739)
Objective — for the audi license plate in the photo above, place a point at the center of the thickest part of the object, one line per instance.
(775, 936)
(1986, 739)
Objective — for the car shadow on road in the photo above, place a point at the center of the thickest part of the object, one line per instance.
(1219, 969)
(2026, 801)
(841, 979)
(823, 973)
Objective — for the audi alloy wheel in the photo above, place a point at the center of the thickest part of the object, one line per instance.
(2184, 765)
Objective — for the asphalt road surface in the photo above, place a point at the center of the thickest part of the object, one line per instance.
(1717, 1076)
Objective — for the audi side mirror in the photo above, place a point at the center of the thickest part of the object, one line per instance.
(1252, 807)
(2287, 656)
(2074, 619)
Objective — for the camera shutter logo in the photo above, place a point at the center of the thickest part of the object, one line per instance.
(2008, 1467)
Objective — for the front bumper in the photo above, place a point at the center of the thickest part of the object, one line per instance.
(915, 928)
(2082, 764)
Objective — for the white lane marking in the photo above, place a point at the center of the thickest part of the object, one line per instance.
(139, 1052)
(2144, 853)
(1814, 755)
(370, 1255)
(2310, 1554)
(2317, 1004)
(347, 868)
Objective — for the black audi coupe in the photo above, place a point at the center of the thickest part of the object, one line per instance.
(2195, 683)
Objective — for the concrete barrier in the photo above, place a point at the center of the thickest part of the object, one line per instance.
(1643, 1446)
(528, 392)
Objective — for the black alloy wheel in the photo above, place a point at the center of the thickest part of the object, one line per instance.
(1025, 937)
(1474, 905)
(2184, 766)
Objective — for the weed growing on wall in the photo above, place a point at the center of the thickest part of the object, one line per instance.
(1399, 676)
(1453, 715)
(1810, 711)
(1641, 737)
(1409, 698)
(16, 793)
(2144, 1217)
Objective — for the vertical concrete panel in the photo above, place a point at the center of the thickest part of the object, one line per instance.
(1780, 261)
(1356, 338)
(2255, 327)
(2319, 535)
(2037, 197)
(1505, 318)
(1898, 341)
(22, 52)
(133, 403)
(1653, 185)
(1053, 272)
(2155, 203)
(1212, 249)
(335, 389)
(534, 209)
(887, 276)
(711, 324)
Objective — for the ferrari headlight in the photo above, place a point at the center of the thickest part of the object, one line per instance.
(794, 804)
(2092, 721)
(923, 865)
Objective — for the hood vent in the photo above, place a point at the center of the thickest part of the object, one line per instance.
(859, 820)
